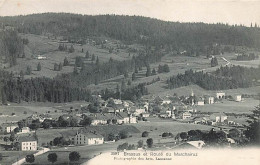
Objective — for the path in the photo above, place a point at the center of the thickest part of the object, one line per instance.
(21, 161)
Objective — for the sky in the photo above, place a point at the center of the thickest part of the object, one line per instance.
(208, 11)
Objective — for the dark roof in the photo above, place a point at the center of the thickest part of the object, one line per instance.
(27, 138)
(9, 124)
(89, 134)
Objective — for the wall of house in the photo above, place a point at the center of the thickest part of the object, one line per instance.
(29, 146)
(81, 139)
(10, 129)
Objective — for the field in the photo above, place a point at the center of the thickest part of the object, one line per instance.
(42, 45)
(155, 128)
(13, 156)
(230, 106)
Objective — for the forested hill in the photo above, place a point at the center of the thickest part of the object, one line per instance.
(135, 29)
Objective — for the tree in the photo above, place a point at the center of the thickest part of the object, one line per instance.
(140, 144)
(28, 70)
(30, 158)
(87, 55)
(71, 49)
(145, 134)
(56, 67)
(214, 62)
(123, 134)
(184, 135)
(149, 142)
(52, 157)
(253, 129)
(148, 71)
(153, 72)
(65, 62)
(93, 57)
(74, 156)
(111, 137)
(12, 137)
(75, 70)
(86, 121)
(133, 76)
(60, 67)
(114, 121)
(39, 67)
(166, 68)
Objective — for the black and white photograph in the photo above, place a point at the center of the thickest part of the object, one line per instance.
(133, 82)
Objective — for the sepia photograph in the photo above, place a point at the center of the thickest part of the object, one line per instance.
(133, 82)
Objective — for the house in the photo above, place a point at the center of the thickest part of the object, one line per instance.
(200, 101)
(218, 117)
(238, 98)
(185, 115)
(145, 115)
(27, 143)
(33, 117)
(40, 57)
(9, 127)
(231, 120)
(119, 107)
(25, 130)
(201, 120)
(122, 118)
(139, 111)
(209, 99)
(85, 137)
(100, 119)
(220, 95)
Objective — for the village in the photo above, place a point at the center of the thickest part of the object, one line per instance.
(79, 124)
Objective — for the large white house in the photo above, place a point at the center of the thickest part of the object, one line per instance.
(27, 143)
(85, 137)
(8, 127)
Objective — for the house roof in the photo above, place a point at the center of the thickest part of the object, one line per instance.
(89, 134)
(122, 114)
(9, 124)
(27, 138)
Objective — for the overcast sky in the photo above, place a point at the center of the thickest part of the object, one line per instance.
(209, 11)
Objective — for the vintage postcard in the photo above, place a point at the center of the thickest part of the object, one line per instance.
(135, 82)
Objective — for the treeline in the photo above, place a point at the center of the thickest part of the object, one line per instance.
(11, 46)
(247, 57)
(16, 89)
(134, 93)
(223, 78)
(175, 35)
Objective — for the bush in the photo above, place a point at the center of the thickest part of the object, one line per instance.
(74, 156)
(145, 134)
(123, 134)
(149, 142)
(122, 147)
(30, 158)
(165, 134)
(140, 144)
(52, 157)
(111, 137)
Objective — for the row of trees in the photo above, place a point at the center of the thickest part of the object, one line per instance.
(222, 78)
(247, 57)
(53, 157)
(11, 46)
(133, 28)
(17, 89)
